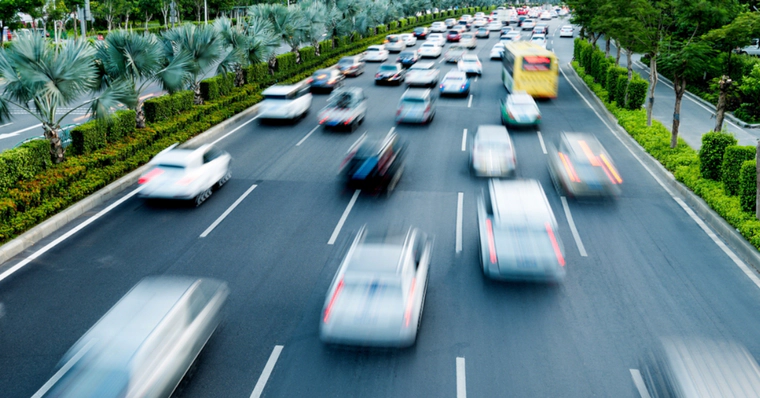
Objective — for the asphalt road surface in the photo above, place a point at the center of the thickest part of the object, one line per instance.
(639, 269)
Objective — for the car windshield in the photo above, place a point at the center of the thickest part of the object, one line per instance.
(420, 67)
(388, 68)
(344, 100)
(393, 39)
(406, 54)
(373, 49)
(321, 75)
(412, 101)
(346, 61)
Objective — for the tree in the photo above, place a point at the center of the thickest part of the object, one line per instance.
(53, 77)
(234, 47)
(148, 8)
(262, 41)
(586, 14)
(109, 10)
(139, 60)
(287, 23)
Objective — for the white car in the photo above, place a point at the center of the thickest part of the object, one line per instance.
(494, 26)
(497, 51)
(480, 15)
(546, 16)
(394, 44)
(468, 40)
(554, 14)
(566, 31)
(429, 50)
(289, 102)
(470, 64)
(409, 39)
(438, 27)
(376, 53)
(437, 39)
(186, 173)
(479, 23)
(539, 40)
(528, 24)
(511, 36)
(422, 74)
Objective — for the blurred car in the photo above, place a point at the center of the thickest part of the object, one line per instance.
(465, 24)
(544, 28)
(377, 53)
(497, 51)
(505, 30)
(470, 64)
(455, 53)
(429, 50)
(390, 74)
(494, 26)
(517, 232)
(537, 31)
(438, 27)
(511, 36)
(520, 109)
(408, 39)
(186, 173)
(566, 31)
(528, 24)
(514, 19)
(696, 367)
(144, 345)
(455, 83)
(580, 167)
(479, 23)
(450, 22)
(377, 295)
(539, 40)
(351, 66)
(436, 38)
(394, 43)
(480, 15)
(285, 102)
(554, 14)
(375, 164)
(453, 35)
(408, 58)
(421, 33)
(468, 40)
(492, 154)
(326, 80)
(417, 105)
(546, 16)
(346, 107)
(422, 74)
(482, 33)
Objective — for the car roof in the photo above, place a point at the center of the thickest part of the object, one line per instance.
(176, 157)
(470, 57)
(521, 97)
(416, 93)
(376, 47)
(281, 89)
(520, 202)
(423, 65)
(567, 26)
(378, 251)
(579, 141)
(455, 73)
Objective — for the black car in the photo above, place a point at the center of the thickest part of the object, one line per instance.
(326, 79)
(466, 24)
(543, 26)
(391, 74)
(421, 33)
(375, 164)
(351, 66)
(408, 58)
(520, 20)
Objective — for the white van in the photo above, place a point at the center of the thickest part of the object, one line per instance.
(144, 345)
(285, 102)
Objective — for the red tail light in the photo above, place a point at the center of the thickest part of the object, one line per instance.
(187, 180)
(348, 121)
(150, 175)
(491, 243)
(569, 168)
(409, 303)
(323, 120)
(310, 80)
(332, 301)
(611, 168)
(555, 245)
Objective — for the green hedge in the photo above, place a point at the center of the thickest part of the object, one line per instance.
(88, 137)
(612, 80)
(285, 62)
(748, 186)
(325, 46)
(166, 106)
(393, 25)
(217, 86)
(308, 54)
(733, 159)
(714, 145)
(122, 124)
(23, 163)
(621, 89)
(381, 29)
(637, 93)
(257, 73)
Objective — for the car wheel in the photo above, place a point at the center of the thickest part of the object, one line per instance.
(201, 197)
(224, 179)
(354, 126)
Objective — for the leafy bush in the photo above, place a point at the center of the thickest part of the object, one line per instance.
(285, 62)
(595, 65)
(402, 22)
(122, 124)
(748, 186)
(325, 46)
(166, 106)
(23, 163)
(601, 70)
(714, 145)
(733, 159)
(412, 20)
(381, 29)
(621, 90)
(259, 73)
(611, 81)
(88, 137)
(637, 93)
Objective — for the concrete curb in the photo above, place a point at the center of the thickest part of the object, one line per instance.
(47, 227)
(726, 231)
(730, 116)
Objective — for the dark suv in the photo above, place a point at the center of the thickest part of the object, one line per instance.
(375, 164)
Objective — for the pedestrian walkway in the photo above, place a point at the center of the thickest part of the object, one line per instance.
(697, 117)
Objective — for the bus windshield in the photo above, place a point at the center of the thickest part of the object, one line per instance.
(536, 63)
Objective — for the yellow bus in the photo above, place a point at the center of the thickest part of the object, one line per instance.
(531, 68)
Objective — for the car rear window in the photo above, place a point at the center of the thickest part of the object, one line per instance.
(454, 78)
(388, 68)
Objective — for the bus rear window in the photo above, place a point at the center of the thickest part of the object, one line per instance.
(536, 63)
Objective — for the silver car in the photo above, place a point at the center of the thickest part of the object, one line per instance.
(580, 167)
(518, 233)
(422, 74)
(186, 173)
(377, 296)
(417, 105)
(492, 154)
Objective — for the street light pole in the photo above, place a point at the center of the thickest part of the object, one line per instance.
(205, 10)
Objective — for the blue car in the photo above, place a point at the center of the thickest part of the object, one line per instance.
(407, 58)
(455, 83)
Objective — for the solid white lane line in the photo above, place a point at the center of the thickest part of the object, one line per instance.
(639, 382)
(464, 140)
(460, 205)
(259, 388)
(461, 380)
(573, 229)
(730, 253)
(469, 103)
(541, 140)
(17, 132)
(476, 79)
(65, 236)
(307, 135)
(227, 212)
(343, 218)
(392, 130)
(6, 125)
(235, 130)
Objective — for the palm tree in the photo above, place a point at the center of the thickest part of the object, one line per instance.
(262, 40)
(53, 77)
(139, 60)
(316, 14)
(234, 43)
(204, 47)
(287, 23)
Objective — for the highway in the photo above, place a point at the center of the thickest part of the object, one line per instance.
(640, 268)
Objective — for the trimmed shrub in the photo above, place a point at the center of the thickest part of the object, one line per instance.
(285, 62)
(24, 162)
(122, 124)
(621, 89)
(308, 54)
(402, 22)
(257, 73)
(637, 92)
(325, 46)
(355, 37)
(611, 81)
(166, 106)
(714, 145)
(412, 20)
(733, 159)
(594, 65)
(748, 186)
(601, 72)
(381, 29)
(88, 137)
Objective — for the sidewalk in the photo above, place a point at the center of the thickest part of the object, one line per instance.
(697, 117)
